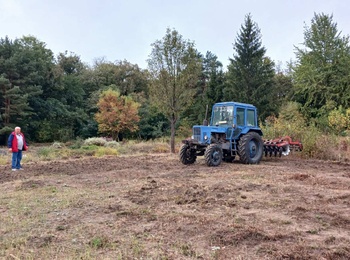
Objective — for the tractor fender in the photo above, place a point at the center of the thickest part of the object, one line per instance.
(246, 130)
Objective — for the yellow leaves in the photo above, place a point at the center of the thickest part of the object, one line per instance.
(116, 113)
(339, 119)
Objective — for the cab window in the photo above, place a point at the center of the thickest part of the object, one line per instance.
(240, 116)
(251, 118)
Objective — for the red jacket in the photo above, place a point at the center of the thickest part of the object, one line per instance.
(12, 142)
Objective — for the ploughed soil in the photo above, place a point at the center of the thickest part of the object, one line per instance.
(153, 207)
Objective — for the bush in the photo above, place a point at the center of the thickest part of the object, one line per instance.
(98, 141)
(339, 120)
(76, 144)
(316, 144)
(45, 152)
(57, 145)
(112, 144)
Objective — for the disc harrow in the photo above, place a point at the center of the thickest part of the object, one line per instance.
(281, 146)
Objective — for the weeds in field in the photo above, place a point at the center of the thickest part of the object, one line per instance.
(186, 250)
(4, 160)
(102, 151)
(316, 144)
(46, 153)
(90, 147)
(98, 242)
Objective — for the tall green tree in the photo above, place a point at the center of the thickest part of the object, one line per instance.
(250, 73)
(174, 70)
(214, 78)
(25, 68)
(65, 100)
(128, 77)
(283, 91)
(122, 76)
(321, 72)
(209, 90)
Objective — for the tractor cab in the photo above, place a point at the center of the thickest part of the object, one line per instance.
(237, 118)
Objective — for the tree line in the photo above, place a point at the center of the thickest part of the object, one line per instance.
(62, 98)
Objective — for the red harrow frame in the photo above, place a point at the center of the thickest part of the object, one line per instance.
(281, 146)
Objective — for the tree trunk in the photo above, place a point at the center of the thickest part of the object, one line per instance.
(172, 135)
(7, 112)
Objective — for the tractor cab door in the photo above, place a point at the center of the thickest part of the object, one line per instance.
(239, 121)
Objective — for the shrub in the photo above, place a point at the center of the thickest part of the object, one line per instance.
(45, 152)
(98, 141)
(76, 144)
(112, 144)
(57, 145)
(339, 120)
(316, 144)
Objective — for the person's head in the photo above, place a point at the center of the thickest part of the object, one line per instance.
(17, 129)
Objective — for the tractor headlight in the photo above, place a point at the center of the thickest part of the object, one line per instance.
(205, 137)
(192, 137)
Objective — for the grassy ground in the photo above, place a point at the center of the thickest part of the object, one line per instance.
(142, 203)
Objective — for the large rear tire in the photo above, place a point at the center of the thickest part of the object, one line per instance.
(250, 148)
(187, 155)
(213, 155)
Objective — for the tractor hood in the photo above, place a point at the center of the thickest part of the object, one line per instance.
(203, 133)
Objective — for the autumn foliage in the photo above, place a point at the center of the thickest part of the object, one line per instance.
(116, 113)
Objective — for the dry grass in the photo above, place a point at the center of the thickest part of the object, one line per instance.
(153, 207)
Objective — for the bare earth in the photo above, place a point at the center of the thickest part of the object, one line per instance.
(153, 207)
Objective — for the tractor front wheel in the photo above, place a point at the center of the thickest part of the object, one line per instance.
(251, 148)
(187, 155)
(213, 155)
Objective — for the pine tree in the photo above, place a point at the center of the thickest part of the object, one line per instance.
(250, 73)
(23, 70)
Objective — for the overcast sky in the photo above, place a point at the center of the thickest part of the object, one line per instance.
(125, 29)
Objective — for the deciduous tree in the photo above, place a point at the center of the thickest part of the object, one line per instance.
(321, 73)
(116, 113)
(175, 67)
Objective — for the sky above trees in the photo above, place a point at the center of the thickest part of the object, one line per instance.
(118, 30)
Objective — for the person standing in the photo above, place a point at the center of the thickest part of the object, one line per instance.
(16, 144)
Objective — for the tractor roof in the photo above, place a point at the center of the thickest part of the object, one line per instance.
(231, 103)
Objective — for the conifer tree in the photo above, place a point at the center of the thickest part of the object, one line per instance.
(250, 73)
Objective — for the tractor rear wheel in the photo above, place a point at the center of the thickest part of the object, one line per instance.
(187, 155)
(213, 155)
(250, 148)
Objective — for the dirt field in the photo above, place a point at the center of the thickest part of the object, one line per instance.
(153, 207)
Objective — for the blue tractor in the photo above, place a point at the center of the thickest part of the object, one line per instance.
(233, 131)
